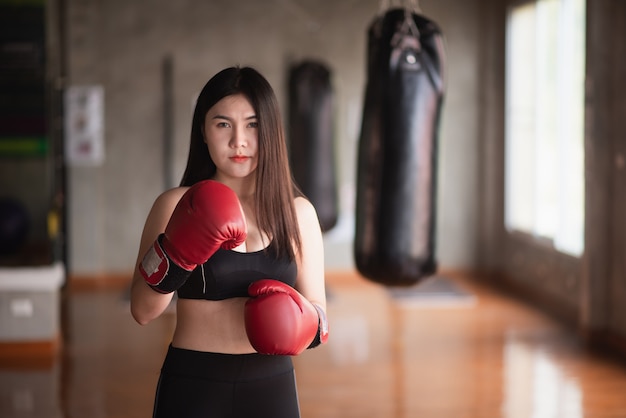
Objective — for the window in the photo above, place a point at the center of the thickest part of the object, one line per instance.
(544, 164)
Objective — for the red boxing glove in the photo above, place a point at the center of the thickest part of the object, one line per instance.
(279, 320)
(207, 217)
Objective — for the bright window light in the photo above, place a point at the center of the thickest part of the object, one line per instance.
(544, 165)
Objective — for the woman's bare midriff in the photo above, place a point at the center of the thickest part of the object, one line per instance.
(212, 326)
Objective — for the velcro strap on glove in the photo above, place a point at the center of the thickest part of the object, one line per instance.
(160, 272)
(322, 328)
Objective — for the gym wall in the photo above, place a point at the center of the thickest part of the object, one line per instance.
(122, 46)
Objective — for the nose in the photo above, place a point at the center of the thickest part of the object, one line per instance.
(239, 138)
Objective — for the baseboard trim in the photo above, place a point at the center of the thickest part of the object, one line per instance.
(77, 283)
(566, 314)
(40, 354)
(100, 282)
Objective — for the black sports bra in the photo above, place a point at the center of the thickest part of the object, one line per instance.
(227, 274)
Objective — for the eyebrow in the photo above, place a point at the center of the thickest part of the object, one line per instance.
(228, 118)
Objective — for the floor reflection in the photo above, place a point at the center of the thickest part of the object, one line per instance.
(487, 356)
(386, 358)
(535, 385)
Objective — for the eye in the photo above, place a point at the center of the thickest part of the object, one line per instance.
(253, 125)
(223, 125)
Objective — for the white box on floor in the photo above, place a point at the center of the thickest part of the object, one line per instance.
(30, 303)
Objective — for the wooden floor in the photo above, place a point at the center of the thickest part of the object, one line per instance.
(480, 356)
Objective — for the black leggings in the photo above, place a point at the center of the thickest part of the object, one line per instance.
(195, 384)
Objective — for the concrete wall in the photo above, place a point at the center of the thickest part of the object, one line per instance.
(122, 45)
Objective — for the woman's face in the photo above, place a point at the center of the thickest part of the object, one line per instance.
(231, 135)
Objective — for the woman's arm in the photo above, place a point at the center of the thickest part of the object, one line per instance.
(310, 280)
(145, 303)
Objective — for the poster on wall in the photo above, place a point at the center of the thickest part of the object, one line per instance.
(84, 125)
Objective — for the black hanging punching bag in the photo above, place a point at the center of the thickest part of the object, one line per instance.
(397, 157)
(311, 138)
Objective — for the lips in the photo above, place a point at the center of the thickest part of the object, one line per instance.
(239, 158)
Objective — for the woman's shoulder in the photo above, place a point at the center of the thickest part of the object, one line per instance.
(172, 195)
(305, 209)
(167, 200)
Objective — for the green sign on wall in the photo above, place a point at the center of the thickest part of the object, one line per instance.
(23, 117)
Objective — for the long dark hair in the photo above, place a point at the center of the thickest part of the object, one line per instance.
(275, 188)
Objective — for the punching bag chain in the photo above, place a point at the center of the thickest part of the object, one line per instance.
(408, 28)
(411, 5)
(405, 43)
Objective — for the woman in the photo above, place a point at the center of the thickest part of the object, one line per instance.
(236, 219)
